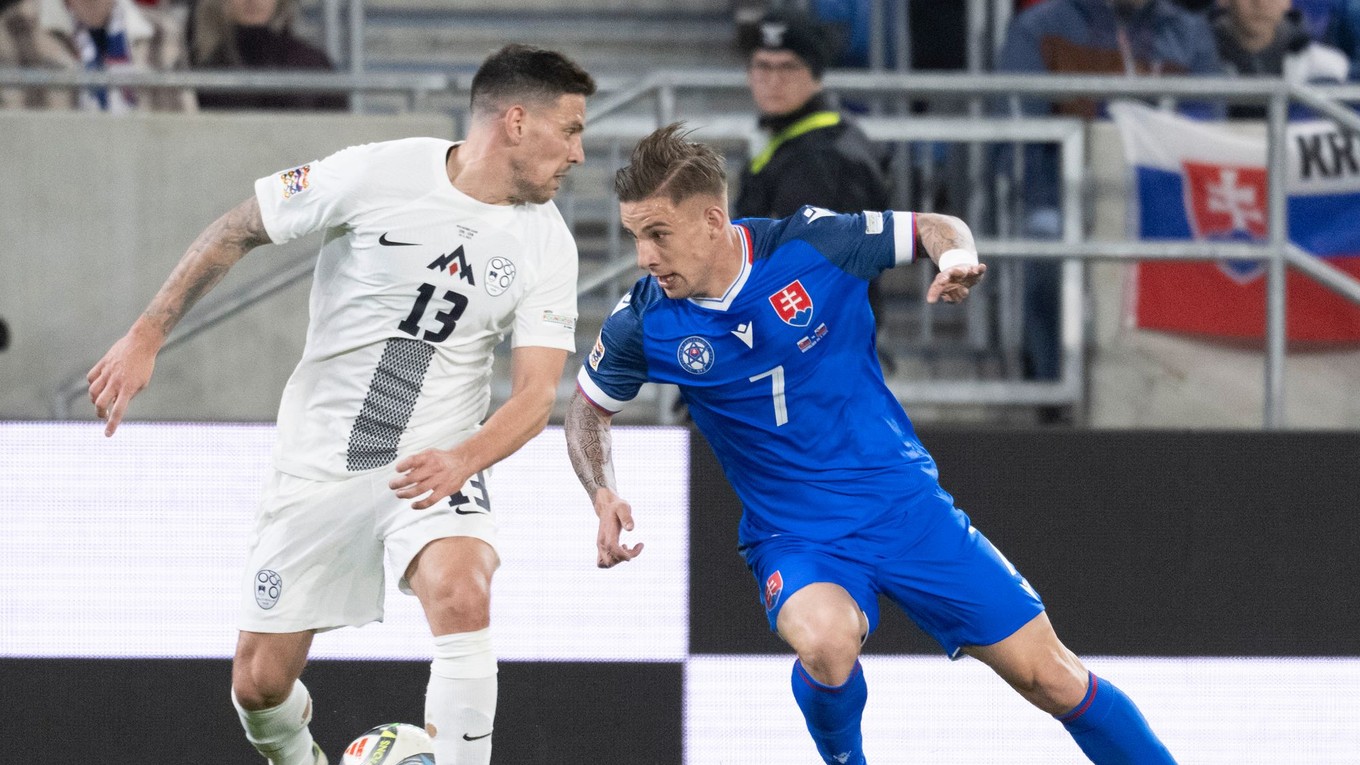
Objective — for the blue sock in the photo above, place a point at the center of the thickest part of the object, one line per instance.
(833, 714)
(1111, 731)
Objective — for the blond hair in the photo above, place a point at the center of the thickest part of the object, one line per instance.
(666, 162)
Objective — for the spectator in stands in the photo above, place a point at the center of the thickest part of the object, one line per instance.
(108, 35)
(1132, 37)
(1318, 15)
(816, 155)
(255, 34)
(938, 32)
(1344, 33)
(17, 19)
(1315, 16)
(1266, 38)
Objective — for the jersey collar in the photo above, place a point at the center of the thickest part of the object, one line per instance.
(748, 257)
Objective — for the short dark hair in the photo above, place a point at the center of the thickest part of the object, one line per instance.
(523, 72)
(665, 162)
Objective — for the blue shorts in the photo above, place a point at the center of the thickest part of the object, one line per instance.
(941, 571)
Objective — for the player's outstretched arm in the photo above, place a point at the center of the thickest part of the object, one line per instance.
(590, 445)
(949, 242)
(126, 369)
(434, 474)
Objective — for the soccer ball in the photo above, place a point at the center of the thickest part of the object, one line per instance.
(391, 744)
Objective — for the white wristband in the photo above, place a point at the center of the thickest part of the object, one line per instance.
(957, 257)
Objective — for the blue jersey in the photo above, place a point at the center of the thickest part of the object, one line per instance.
(781, 375)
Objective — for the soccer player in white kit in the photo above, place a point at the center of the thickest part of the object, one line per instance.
(433, 252)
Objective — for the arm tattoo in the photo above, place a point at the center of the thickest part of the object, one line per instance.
(590, 445)
(937, 234)
(207, 260)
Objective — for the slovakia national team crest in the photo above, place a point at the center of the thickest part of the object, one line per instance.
(793, 304)
(695, 355)
(774, 587)
(1228, 204)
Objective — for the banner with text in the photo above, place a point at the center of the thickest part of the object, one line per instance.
(1201, 181)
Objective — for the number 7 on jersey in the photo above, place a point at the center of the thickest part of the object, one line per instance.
(781, 409)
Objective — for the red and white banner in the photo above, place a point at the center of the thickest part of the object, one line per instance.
(1200, 181)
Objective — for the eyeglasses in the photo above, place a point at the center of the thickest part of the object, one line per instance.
(767, 68)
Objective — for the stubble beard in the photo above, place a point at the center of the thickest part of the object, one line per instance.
(526, 191)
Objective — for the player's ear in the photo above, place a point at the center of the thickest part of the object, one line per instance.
(715, 215)
(512, 123)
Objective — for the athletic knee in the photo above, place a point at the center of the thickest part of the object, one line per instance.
(1055, 685)
(828, 652)
(459, 604)
(266, 666)
(256, 688)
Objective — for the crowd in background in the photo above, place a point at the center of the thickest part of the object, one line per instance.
(1313, 41)
(1317, 40)
(1250, 38)
(157, 35)
(1306, 41)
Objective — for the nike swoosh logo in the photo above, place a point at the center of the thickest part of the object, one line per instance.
(471, 512)
(384, 241)
(466, 737)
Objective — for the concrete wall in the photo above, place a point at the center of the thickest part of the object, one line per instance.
(95, 211)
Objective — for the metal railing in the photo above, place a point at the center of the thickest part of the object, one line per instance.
(1069, 134)
(661, 91)
(663, 87)
(418, 88)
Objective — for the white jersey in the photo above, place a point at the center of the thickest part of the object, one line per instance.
(415, 286)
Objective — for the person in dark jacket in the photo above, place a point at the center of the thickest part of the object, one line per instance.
(255, 34)
(816, 155)
(1268, 38)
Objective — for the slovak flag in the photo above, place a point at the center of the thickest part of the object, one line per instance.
(1197, 180)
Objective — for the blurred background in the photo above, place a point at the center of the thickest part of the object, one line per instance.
(1150, 403)
(97, 207)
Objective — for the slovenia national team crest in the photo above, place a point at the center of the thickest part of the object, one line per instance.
(695, 355)
(268, 587)
(500, 272)
(774, 587)
(793, 304)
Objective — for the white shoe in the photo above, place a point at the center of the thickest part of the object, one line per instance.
(321, 758)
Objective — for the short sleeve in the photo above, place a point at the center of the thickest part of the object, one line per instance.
(617, 366)
(311, 197)
(547, 315)
(862, 244)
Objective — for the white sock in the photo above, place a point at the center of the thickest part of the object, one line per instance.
(460, 702)
(280, 733)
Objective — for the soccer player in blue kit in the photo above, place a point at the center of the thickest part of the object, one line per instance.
(765, 327)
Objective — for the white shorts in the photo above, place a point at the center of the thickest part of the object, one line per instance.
(315, 558)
